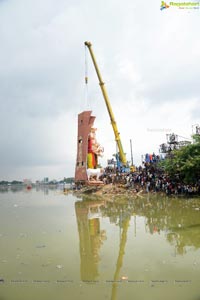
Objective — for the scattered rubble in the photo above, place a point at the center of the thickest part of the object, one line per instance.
(111, 189)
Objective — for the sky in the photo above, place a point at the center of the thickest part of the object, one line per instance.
(149, 60)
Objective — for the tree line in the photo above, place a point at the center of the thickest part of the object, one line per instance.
(184, 164)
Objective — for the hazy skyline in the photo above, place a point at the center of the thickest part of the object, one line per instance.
(149, 60)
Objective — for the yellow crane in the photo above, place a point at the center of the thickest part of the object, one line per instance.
(122, 156)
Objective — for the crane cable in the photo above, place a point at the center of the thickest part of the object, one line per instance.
(86, 67)
(86, 79)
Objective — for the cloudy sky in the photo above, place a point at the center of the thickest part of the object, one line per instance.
(149, 60)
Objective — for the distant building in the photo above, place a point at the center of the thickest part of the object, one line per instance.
(46, 180)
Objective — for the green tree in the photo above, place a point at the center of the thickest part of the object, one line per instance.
(184, 163)
(68, 180)
(16, 182)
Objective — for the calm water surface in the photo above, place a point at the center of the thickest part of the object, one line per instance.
(56, 246)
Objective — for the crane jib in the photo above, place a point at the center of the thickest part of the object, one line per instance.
(109, 108)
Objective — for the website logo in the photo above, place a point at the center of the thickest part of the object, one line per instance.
(180, 5)
(163, 5)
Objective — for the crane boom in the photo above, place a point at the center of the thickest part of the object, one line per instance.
(109, 108)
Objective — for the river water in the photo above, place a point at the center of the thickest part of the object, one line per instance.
(60, 246)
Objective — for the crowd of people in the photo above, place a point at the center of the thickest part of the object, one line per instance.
(150, 178)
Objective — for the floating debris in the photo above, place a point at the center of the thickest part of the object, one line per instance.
(4, 261)
(24, 264)
(23, 235)
(124, 277)
(46, 265)
(40, 246)
(59, 266)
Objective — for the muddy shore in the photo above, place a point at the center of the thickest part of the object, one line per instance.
(113, 190)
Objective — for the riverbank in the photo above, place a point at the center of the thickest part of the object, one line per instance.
(118, 189)
(149, 178)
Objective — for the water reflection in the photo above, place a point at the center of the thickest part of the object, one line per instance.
(123, 239)
(178, 219)
(91, 237)
(88, 213)
(37, 188)
(124, 244)
(12, 188)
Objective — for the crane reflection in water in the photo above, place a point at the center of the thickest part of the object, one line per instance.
(174, 220)
(91, 237)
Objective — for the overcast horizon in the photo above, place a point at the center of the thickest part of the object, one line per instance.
(149, 60)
